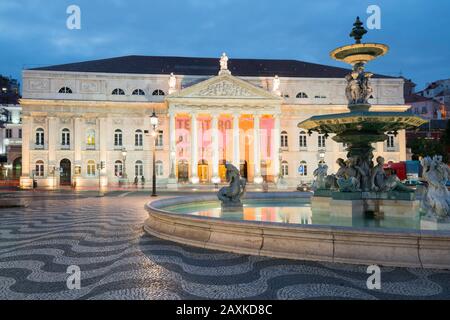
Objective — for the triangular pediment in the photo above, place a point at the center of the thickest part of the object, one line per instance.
(224, 86)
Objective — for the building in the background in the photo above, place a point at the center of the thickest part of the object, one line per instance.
(243, 111)
(439, 91)
(10, 130)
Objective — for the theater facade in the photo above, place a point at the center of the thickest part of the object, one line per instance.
(88, 123)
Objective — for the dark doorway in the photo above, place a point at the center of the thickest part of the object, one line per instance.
(183, 171)
(243, 169)
(66, 172)
(17, 168)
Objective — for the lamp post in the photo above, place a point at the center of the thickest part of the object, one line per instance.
(154, 123)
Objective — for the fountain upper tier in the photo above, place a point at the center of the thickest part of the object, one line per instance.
(371, 126)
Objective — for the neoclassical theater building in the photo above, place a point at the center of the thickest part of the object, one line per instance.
(211, 111)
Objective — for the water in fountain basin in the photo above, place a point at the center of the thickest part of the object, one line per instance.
(297, 211)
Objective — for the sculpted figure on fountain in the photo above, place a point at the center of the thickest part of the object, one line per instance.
(231, 196)
(436, 201)
(358, 90)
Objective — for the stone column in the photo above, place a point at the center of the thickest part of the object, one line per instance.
(215, 148)
(257, 149)
(53, 137)
(101, 139)
(194, 148)
(27, 138)
(172, 182)
(78, 138)
(276, 141)
(236, 142)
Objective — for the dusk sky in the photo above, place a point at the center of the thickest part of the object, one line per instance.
(33, 32)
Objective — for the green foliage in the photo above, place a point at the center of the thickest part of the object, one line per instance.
(421, 147)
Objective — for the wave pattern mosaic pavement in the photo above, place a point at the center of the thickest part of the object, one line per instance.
(105, 238)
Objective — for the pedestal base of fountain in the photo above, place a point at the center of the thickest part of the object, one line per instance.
(358, 204)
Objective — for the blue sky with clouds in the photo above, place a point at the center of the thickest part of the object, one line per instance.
(33, 32)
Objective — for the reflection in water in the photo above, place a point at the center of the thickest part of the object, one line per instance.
(294, 212)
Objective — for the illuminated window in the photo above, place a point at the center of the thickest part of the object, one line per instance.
(160, 139)
(118, 168)
(90, 138)
(303, 169)
(91, 168)
(39, 171)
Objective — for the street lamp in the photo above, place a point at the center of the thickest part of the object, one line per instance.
(154, 123)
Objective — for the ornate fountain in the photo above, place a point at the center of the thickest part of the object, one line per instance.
(358, 178)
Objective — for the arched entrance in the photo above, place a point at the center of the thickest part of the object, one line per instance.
(183, 171)
(17, 168)
(203, 171)
(243, 169)
(65, 172)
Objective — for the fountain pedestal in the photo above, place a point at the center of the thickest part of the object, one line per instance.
(358, 204)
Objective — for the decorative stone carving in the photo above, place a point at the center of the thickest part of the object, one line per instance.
(65, 120)
(39, 120)
(90, 87)
(231, 195)
(39, 84)
(117, 121)
(320, 175)
(348, 176)
(383, 183)
(276, 86)
(436, 201)
(224, 89)
(91, 121)
(172, 83)
(223, 62)
(358, 88)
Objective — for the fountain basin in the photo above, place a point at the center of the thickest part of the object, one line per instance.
(395, 246)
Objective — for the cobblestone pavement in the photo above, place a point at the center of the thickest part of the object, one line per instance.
(105, 238)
